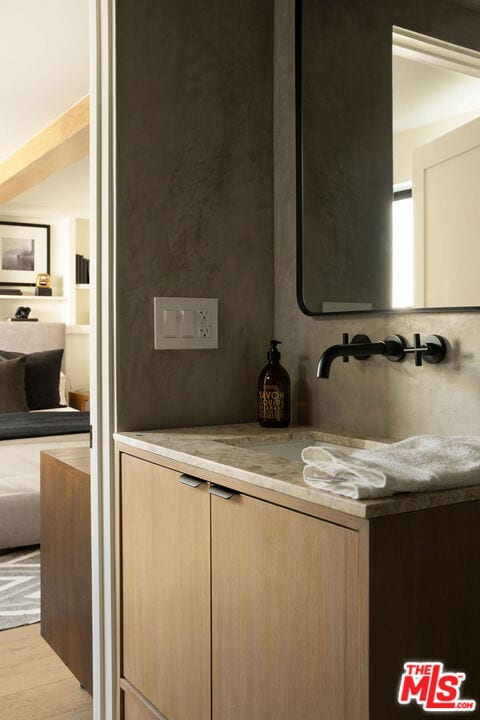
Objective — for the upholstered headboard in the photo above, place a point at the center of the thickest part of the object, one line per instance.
(28, 337)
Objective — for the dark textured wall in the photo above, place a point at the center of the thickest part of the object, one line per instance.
(194, 203)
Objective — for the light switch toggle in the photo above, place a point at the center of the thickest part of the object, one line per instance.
(170, 323)
(188, 323)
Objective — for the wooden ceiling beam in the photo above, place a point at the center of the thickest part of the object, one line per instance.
(60, 144)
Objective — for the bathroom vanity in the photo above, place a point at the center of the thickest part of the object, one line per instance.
(246, 595)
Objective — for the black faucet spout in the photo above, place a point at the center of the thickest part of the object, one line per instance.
(360, 348)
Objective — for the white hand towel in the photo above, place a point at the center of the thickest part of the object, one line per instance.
(421, 463)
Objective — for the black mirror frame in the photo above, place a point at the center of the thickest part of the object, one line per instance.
(299, 201)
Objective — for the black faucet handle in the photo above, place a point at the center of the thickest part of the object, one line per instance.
(395, 348)
(436, 349)
(433, 349)
(360, 339)
(356, 339)
(417, 349)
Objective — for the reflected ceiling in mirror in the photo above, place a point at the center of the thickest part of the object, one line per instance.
(351, 256)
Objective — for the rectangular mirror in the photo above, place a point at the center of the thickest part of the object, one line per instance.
(388, 156)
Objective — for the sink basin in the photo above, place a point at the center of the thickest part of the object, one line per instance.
(292, 449)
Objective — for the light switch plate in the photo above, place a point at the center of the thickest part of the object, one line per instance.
(196, 323)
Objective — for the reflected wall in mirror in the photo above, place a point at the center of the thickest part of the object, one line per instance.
(350, 257)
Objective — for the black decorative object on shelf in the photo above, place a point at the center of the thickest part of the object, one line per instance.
(23, 312)
(22, 315)
(43, 285)
(82, 270)
(10, 291)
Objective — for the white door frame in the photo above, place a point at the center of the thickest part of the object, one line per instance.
(102, 351)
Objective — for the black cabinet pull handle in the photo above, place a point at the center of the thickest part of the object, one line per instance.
(221, 492)
(190, 481)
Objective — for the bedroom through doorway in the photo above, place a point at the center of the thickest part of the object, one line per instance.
(45, 323)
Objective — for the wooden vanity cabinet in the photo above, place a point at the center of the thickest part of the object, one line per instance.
(231, 608)
(239, 603)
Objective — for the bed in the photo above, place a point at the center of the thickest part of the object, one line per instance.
(24, 433)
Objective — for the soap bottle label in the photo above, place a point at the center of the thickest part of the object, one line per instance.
(271, 402)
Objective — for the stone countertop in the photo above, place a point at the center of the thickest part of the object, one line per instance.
(224, 449)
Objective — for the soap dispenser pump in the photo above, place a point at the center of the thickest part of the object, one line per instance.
(274, 391)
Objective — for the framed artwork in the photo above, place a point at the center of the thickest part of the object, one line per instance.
(24, 252)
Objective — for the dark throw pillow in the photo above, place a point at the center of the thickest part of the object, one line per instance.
(8, 355)
(42, 375)
(12, 386)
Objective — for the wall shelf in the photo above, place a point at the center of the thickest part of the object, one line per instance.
(34, 298)
(77, 329)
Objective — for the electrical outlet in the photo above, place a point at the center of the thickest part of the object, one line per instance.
(204, 324)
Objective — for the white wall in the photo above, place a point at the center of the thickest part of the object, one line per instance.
(77, 367)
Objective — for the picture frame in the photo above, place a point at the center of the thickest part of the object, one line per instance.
(24, 252)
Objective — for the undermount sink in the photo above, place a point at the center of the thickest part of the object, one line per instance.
(292, 449)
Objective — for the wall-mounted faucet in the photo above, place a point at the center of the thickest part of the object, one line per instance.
(394, 348)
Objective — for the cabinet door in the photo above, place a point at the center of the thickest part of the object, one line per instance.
(166, 589)
(284, 614)
(136, 709)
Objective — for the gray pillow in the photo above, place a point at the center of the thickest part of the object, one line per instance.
(12, 386)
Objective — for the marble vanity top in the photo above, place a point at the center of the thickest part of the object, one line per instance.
(225, 449)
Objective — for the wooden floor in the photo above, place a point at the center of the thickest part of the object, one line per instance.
(34, 683)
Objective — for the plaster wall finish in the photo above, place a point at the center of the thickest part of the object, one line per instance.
(374, 398)
(194, 203)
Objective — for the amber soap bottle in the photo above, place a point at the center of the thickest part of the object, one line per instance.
(274, 391)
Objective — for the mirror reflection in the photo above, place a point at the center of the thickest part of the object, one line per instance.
(361, 246)
(436, 172)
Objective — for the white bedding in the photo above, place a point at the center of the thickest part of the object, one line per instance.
(20, 485)
(20, 460)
